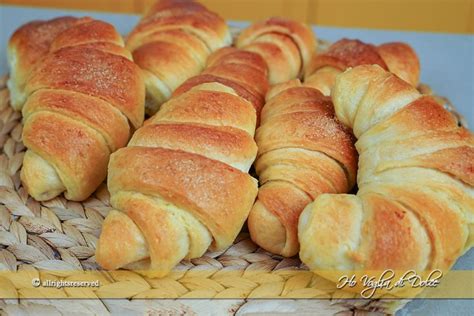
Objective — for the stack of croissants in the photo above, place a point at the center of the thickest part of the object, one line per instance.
(357, 170)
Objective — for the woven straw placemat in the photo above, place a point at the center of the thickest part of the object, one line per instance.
(57, 235)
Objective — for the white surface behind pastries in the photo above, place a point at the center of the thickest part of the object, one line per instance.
(447, 65)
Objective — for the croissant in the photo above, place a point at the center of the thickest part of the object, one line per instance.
(286, 46)
(414, 207)
(28, 45)
(398, 58)
(171, 44)
(303, 151)
(80, 98)
(181, 186)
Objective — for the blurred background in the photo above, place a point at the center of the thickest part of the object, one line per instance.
(446, 16)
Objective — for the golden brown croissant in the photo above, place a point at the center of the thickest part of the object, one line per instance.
(28, 45)
(171, 44)
(181, 186)
(398, 58)
(80, 97)
(303, 151)
(286, 46)
(414, 208)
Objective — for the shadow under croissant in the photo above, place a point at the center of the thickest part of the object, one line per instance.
(62, 235)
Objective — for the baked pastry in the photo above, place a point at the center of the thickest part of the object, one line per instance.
(414, 207)
(171, 44)
(303, 151)
(181, 186)
(286, 46)
(244, 72)
(28, 45)
(83, 98)
(398, 58)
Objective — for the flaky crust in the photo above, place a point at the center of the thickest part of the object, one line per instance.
(77, 152)
(243, 91)
(215, 193)
(232, 55)
(211, 107)
(401, 60)
(91, 32)
(206, 25)
(91, 111)
(398, 58)
(280, 53)
(28, 45)
(415, 201)
(81, 93)
(171, 44)
(181, 185)
(173, 7)
(191, 45)
(347, 53)
(303, 152)
(242, 71)
(248, 76)
(95, 73)
(286, 46)
(174, 65)
(31, 42)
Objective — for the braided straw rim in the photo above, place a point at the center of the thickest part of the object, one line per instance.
(43, 238)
